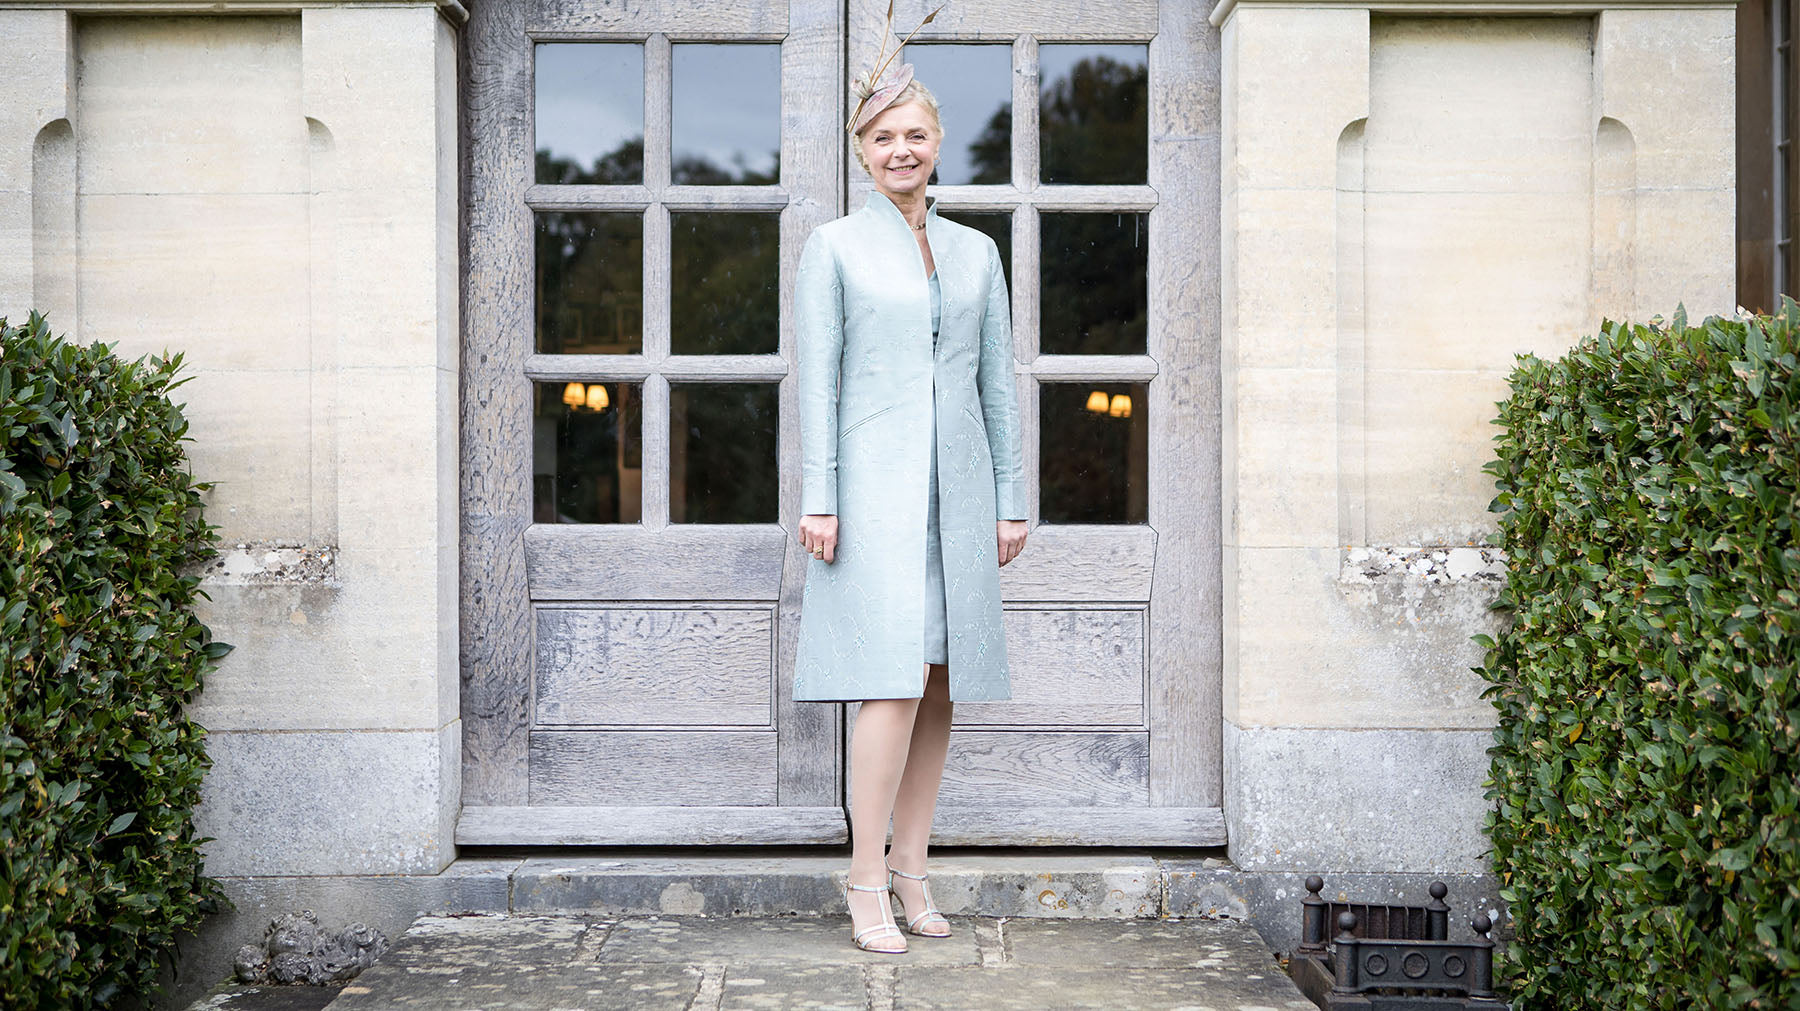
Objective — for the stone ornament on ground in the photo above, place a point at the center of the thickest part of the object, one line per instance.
(296, 950)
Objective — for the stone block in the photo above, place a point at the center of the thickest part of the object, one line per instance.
(328, 802)
(370, 76)
(1302, 76)
(1324, 801)
(1670, 77)
(186, 104)
(1466, 280)
(1322, 645)
(252, 440)
(392, 478)
(1486, 105)
(223, 277)
(1285, 457)
(1427, 435)
(1284, 295)
(1686, 248)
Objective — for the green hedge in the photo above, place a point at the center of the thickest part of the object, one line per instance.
(1646, 770)
(99, 768)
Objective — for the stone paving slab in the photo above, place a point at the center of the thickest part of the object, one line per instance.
(771, 940)
(695, 963)
(1029, 988)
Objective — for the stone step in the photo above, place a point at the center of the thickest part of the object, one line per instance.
(527, 962)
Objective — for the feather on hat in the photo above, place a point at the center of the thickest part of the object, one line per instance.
(884, 82)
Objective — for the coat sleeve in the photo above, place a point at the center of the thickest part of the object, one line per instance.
(819, 326)
(999, 407)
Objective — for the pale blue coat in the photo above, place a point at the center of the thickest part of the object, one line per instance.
(868, 376)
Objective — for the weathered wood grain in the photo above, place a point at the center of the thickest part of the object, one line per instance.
(1046, 769)
(1061, 20)
(1078, 826)
(635, 368)
(641, 825)
(682, 19)
(671, 767)
(669, 665)
(1186, 631)
(1070, 668)
(1081, 564)
(813, 158)
(495, 618)
(687, 562)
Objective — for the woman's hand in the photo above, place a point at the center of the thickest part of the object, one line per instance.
(818, 535)
(1011, 536)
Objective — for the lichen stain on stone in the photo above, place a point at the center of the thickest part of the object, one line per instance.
(681, 897)
(1049, 900)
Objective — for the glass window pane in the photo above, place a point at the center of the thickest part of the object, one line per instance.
(722, 452)
(590, 283)
(587, 453)
(1093, 114)
(723, 283)
(1094, 465)
(727, 114)
(973, 87)
(590, 112)
(1093, 270)
(997, 226)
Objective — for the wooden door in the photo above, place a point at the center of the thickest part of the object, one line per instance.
(630, 435)
(1086, 145)
(640, 181)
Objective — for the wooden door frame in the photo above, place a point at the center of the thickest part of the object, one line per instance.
(1179, 553)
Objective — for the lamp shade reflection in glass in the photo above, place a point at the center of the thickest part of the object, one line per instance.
(589, 112)
(586, 460)
(1094, 453)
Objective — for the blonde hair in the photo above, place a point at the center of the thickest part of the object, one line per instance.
(915, 93)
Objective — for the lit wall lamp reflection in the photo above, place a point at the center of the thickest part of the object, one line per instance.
(597, 399)
(574, 395)
(1098, 402)
(1121, 406)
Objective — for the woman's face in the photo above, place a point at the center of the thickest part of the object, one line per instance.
(901, 147)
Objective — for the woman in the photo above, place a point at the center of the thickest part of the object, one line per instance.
(911, 493)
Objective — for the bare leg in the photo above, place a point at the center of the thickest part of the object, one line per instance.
(878, 751)
(917, 798)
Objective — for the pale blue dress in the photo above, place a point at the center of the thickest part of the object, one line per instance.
(937, 626)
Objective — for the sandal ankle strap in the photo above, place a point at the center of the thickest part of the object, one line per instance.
(915, 877)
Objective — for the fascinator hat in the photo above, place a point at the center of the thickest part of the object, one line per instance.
(884, 82)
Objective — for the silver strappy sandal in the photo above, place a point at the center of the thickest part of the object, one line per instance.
(931, 908)
(884, 928)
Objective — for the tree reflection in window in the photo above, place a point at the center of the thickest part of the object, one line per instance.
(589, 112)
(722, 466)
(1094, 270)
(723, 283)
(590, 280)
(1093, 114)
(725, 123)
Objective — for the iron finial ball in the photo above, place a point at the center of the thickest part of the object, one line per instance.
(1482, 924)
(1438, 890)
(1314, 883)
(1347, 921)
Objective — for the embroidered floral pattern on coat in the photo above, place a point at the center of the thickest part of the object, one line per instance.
(868, 378)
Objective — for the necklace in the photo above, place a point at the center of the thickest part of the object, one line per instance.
(919, 227)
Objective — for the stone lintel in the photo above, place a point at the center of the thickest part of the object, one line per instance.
(1222, 11)
(452, 10)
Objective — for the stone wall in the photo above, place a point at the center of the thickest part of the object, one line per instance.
(1408, 202)
(275, 196)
